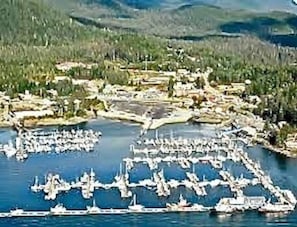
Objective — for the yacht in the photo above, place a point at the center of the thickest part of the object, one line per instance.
(35, 187)
(227, 205)
(17, 212)
(93, 209)
(58, 209)
(276, 208)
(198, 207)
(222, 209)
(134, 207)
(182, 202)
(9, 150)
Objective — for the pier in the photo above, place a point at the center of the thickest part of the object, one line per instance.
(19, 213)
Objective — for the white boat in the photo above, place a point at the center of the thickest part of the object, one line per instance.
(182, 202)
(9, 150)
(59, 209)
(93, 209)
(134, 207)
(276, 208)
(35, 187)
(223, 209)
(198, 207)
(228, 205)
(17, 212)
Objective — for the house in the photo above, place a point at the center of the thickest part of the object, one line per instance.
(181, 89)
(169, 73)
(183, 72)
(232, 89)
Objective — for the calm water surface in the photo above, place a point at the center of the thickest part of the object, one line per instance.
(16, 178)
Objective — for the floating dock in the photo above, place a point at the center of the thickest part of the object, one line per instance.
(111, 211)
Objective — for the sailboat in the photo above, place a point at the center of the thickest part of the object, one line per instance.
(182, 202)
(134, 206)
(93, 209)
(35, 187)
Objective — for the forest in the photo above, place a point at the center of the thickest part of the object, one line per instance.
(35, 37)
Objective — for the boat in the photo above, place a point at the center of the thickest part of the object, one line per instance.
(276, 208)
(229, 205)
(35, 187)
(9, 150)
(182, 203)
(198, 208)
(222, 209)
(93, 209)
(59, 209)
(134, 207)
(17, 212)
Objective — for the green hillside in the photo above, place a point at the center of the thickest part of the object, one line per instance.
(32, 22)
(188, 21)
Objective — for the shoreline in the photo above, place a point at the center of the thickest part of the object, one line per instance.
(180, 116)
(264, 144)
(54, 122)
(286, 153)
(146, 123)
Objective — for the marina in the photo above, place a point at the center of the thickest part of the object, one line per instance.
(214, 152)
(175, 185)
(28, 142)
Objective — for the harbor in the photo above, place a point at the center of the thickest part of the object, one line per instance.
(28, 142)
(183, 151)
(181, 178)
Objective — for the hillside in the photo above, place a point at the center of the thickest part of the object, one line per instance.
(188, 19)
(195, 22)
(32, 22)
(254, 5)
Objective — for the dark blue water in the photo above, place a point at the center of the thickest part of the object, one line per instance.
(16, 178)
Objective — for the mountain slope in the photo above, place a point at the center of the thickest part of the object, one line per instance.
(201, 20)
(258, 5)
(32, 22)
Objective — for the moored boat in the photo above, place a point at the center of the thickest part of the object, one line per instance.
(134, 207)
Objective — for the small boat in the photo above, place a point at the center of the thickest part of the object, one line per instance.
(35, 187)
(59, 209)
(276, 208)
(134, 207)
(93, 209)
(182, 202)
(17, 212)
(9, 150)
(198, 207)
